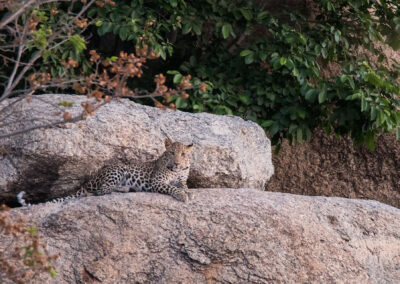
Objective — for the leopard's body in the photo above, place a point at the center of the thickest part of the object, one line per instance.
(168, 175)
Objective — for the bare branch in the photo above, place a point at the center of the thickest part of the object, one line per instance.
(17, 13)
(17, 64)
(80, 117)
(6, 93)
(13, 83)
(9, 106)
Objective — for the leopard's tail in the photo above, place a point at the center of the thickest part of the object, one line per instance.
(81, 193)
(21, 200)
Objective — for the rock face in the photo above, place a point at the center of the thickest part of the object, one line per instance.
(229, 152)
(336, 167)
(221, 236)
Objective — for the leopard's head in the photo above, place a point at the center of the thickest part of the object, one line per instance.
(176, 156)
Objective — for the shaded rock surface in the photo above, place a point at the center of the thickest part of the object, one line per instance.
(48, 163)
(221, 236)
(336, 167)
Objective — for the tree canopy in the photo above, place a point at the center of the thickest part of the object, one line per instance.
(291, 66)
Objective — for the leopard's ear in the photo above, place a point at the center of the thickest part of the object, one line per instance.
(189, 147)
(167, 143)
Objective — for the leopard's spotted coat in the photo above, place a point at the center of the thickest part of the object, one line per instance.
(168, 175)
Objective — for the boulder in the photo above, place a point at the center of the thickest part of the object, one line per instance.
(221, 236)
(48, 163)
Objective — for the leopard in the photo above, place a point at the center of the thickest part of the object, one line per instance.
(167, 175)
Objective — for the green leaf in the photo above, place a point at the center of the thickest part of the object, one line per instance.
(66, 103)
(309, 94)
(370, 140)
(112, 58)
(162, 54)
(179, 102)
(246, 52)
(53, 273)
(354, 96)
(373, 113)
(32, 230)
(46, 54)
(247, 14)
(302, 39)
(324, 53)
(351, 82)
(301, 113)
(262, 15)
(107, 27)
(196, 29)
(274, 129)
(322, 96)
(186, 28)
(78, 43)
(173, 3)
(364, 104)
(177, 78)
(337, 36)
(226, 30)
(249, 59)
(289, 64)
(373, 78)
(299, 135)
(283, 61)
(292, 128)
(295, 72)
(267, 123)
(244, 99)
(262, 55)
(123, 33)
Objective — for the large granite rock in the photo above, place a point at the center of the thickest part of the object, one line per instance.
(46, 163)
(221, 236)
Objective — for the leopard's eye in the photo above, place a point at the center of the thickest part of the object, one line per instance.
(173, 153)
(183, 154)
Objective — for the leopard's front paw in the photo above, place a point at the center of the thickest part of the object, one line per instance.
(181, 196)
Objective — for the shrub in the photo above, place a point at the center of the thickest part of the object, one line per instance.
(23, 264)
(44, 48)
(263, 60)
(267, 60)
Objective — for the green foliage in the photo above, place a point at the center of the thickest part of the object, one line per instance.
(265, 65)
(53, 273)
(260, 60)
(40, 37)
(77, 43)
(32, 231)
(66, 103)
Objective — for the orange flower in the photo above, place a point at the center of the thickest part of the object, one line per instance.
(81, 23)
(72, 63)
(203, 87)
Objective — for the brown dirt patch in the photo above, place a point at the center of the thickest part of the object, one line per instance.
(329, 166)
